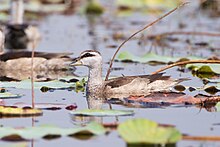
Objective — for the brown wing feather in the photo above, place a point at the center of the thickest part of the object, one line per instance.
(120, 81)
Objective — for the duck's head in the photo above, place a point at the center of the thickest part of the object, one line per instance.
(89, 58)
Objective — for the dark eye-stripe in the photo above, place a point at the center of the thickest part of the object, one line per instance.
(87, 55)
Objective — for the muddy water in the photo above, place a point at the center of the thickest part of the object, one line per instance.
(77, 32)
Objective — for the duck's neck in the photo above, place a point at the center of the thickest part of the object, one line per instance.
(95, 80)
(17, 11)
(2, 41)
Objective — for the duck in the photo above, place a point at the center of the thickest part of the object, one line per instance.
(16, 65)
(19, 34)
(21, 60)
(130, 85)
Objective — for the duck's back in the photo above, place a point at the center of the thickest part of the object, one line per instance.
(144, 84)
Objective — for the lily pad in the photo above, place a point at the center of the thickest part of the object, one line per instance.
(17, 145)
(8, 95)
(143, 131)
(94, 7)
(35, 6)
(54, 85)
(26, 84)
(218, 106)
(149, 57)
(147, 3)
(205, 68)
(42, 131)
(102, 113)
(16, 112)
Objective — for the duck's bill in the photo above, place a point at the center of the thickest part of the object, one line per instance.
(76, 62)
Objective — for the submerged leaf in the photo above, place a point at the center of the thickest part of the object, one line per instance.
(47, 106)
(211, 90)
(42, 131)
(143, 131)
(102, 113)
(179, 88)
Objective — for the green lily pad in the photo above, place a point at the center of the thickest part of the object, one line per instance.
(212, 80)
(149, 57)
(8, 95)
(147, 3)
(35, 6)
(26, 84)
(42, 131)
(102, 113)
(218, 106)
(94, 7)
(55, 84)
(143, 131)
(205, 68)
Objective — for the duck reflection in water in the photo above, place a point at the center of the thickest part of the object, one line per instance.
(95, 102)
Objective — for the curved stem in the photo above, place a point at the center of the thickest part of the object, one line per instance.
(147, 26)
(185, 33)
(186, 62)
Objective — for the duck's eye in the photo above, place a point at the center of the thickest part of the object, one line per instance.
(87, 55)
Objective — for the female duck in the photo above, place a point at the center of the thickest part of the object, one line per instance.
(21, 60)
(143, 84)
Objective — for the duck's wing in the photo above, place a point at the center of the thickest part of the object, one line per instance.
(27, 54)
(120, 81)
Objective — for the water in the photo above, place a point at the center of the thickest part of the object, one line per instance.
(75, 33)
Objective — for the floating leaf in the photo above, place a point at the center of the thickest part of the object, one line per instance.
(94, 7)
(42, 131)
(26, 84)
(149, 57)
(155, 4)
(143, 131)
(8, 95)
(16, 112)
(80, 85)
(218, 106)
(211, 80)
(17, 145)
(205, 70)
(102, 113)
(44, 86)
(160, 100)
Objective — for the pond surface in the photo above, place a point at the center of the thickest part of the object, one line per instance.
(76, 33)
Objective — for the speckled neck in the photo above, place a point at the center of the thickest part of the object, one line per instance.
(17, 11)
(95, 81)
